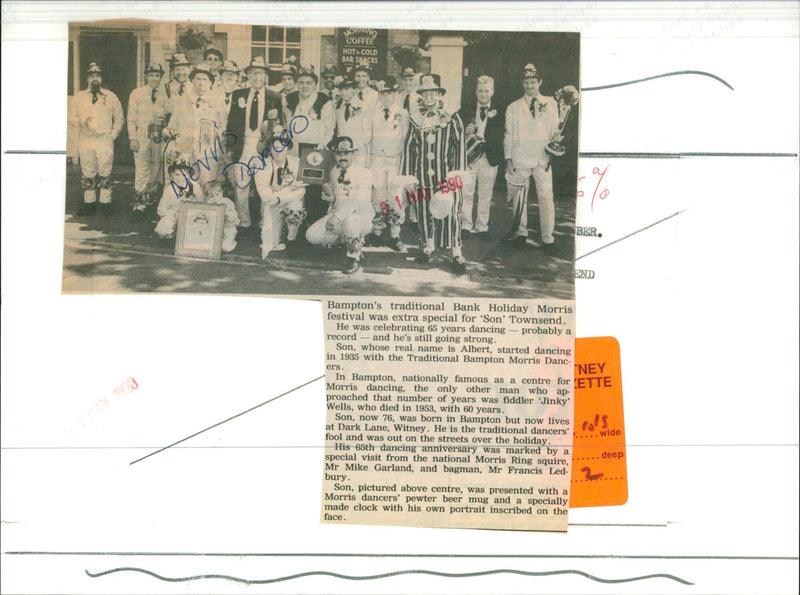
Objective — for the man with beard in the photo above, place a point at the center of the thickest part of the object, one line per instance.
(351, 214)
(531, 122)
(252, 110)
(98, 114)
(147, 108)
(434, 153)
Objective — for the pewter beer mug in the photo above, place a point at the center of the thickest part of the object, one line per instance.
(154, 131)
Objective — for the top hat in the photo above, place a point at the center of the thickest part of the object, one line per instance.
(229, 66)
(306, 71)
(431, 82)
(530, 72)
(408, 72)
(201, 68)
(342, 144)
(154, 67)
(179, 59)
(257, 62)
(387, 84)
(330, 70)
(215, 52)
(93, 67)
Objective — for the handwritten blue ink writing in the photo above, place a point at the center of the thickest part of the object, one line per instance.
(249, 168)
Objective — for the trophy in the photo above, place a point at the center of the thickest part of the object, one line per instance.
(567, 97)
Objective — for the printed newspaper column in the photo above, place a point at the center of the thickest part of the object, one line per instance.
(448, 413)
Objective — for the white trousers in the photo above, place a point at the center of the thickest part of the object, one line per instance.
(147, 161)
(483, 177)
(96, 153)
(543, 178)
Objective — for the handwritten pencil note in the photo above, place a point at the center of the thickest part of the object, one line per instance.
(599, 470)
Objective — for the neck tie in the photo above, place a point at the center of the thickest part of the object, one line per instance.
(94, 97)
(227, 98)
(341, 177)
(483, 113)
(346, 112)
(280, 176)
(361, 95)
(153, 96)
(386, 113)
(180, 91)
(254, 112)
(533, 108)
(197, 103)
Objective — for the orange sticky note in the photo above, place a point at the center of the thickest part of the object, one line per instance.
(599, 470)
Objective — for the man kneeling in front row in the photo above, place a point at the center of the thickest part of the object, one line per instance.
(350, 217)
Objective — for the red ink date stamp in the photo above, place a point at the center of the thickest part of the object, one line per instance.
(103, 404)
(444, 186)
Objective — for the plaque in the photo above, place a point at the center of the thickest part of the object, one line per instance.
(315, 164)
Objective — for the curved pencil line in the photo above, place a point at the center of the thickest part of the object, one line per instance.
(383, 575)
(658, 76)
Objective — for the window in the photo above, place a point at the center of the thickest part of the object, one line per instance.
(275, 45)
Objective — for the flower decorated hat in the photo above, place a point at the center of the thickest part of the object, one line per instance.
(230, 66)
(94, 68)
(180, 59)
(342, 144)
(329, 70)
(347, 83)
(387, 84)
(154, 67)
(257, 63)
(530, 71)
(307, 71)
(431, 82)
(202, 68)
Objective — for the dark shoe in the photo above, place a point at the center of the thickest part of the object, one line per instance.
(519, 242)
(423, 258)
(551, 247)
(87, 208)
(372, 240)
(459, 265)
(351, 267)
(396, 245)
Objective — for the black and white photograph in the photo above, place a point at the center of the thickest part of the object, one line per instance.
(350, 161)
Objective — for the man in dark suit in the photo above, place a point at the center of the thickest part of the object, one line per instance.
(485, 120)
(254, 111)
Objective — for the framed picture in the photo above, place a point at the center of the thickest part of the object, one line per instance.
(200, 230)
(315, 164)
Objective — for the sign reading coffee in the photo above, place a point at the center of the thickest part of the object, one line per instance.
(363, 47)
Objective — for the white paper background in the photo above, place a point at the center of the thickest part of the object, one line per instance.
(704, 306)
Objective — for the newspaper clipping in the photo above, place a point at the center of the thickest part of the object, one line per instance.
(446, 413)
(420, 183)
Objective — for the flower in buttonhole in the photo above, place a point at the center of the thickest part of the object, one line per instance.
(491, 113)
(242, 103)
